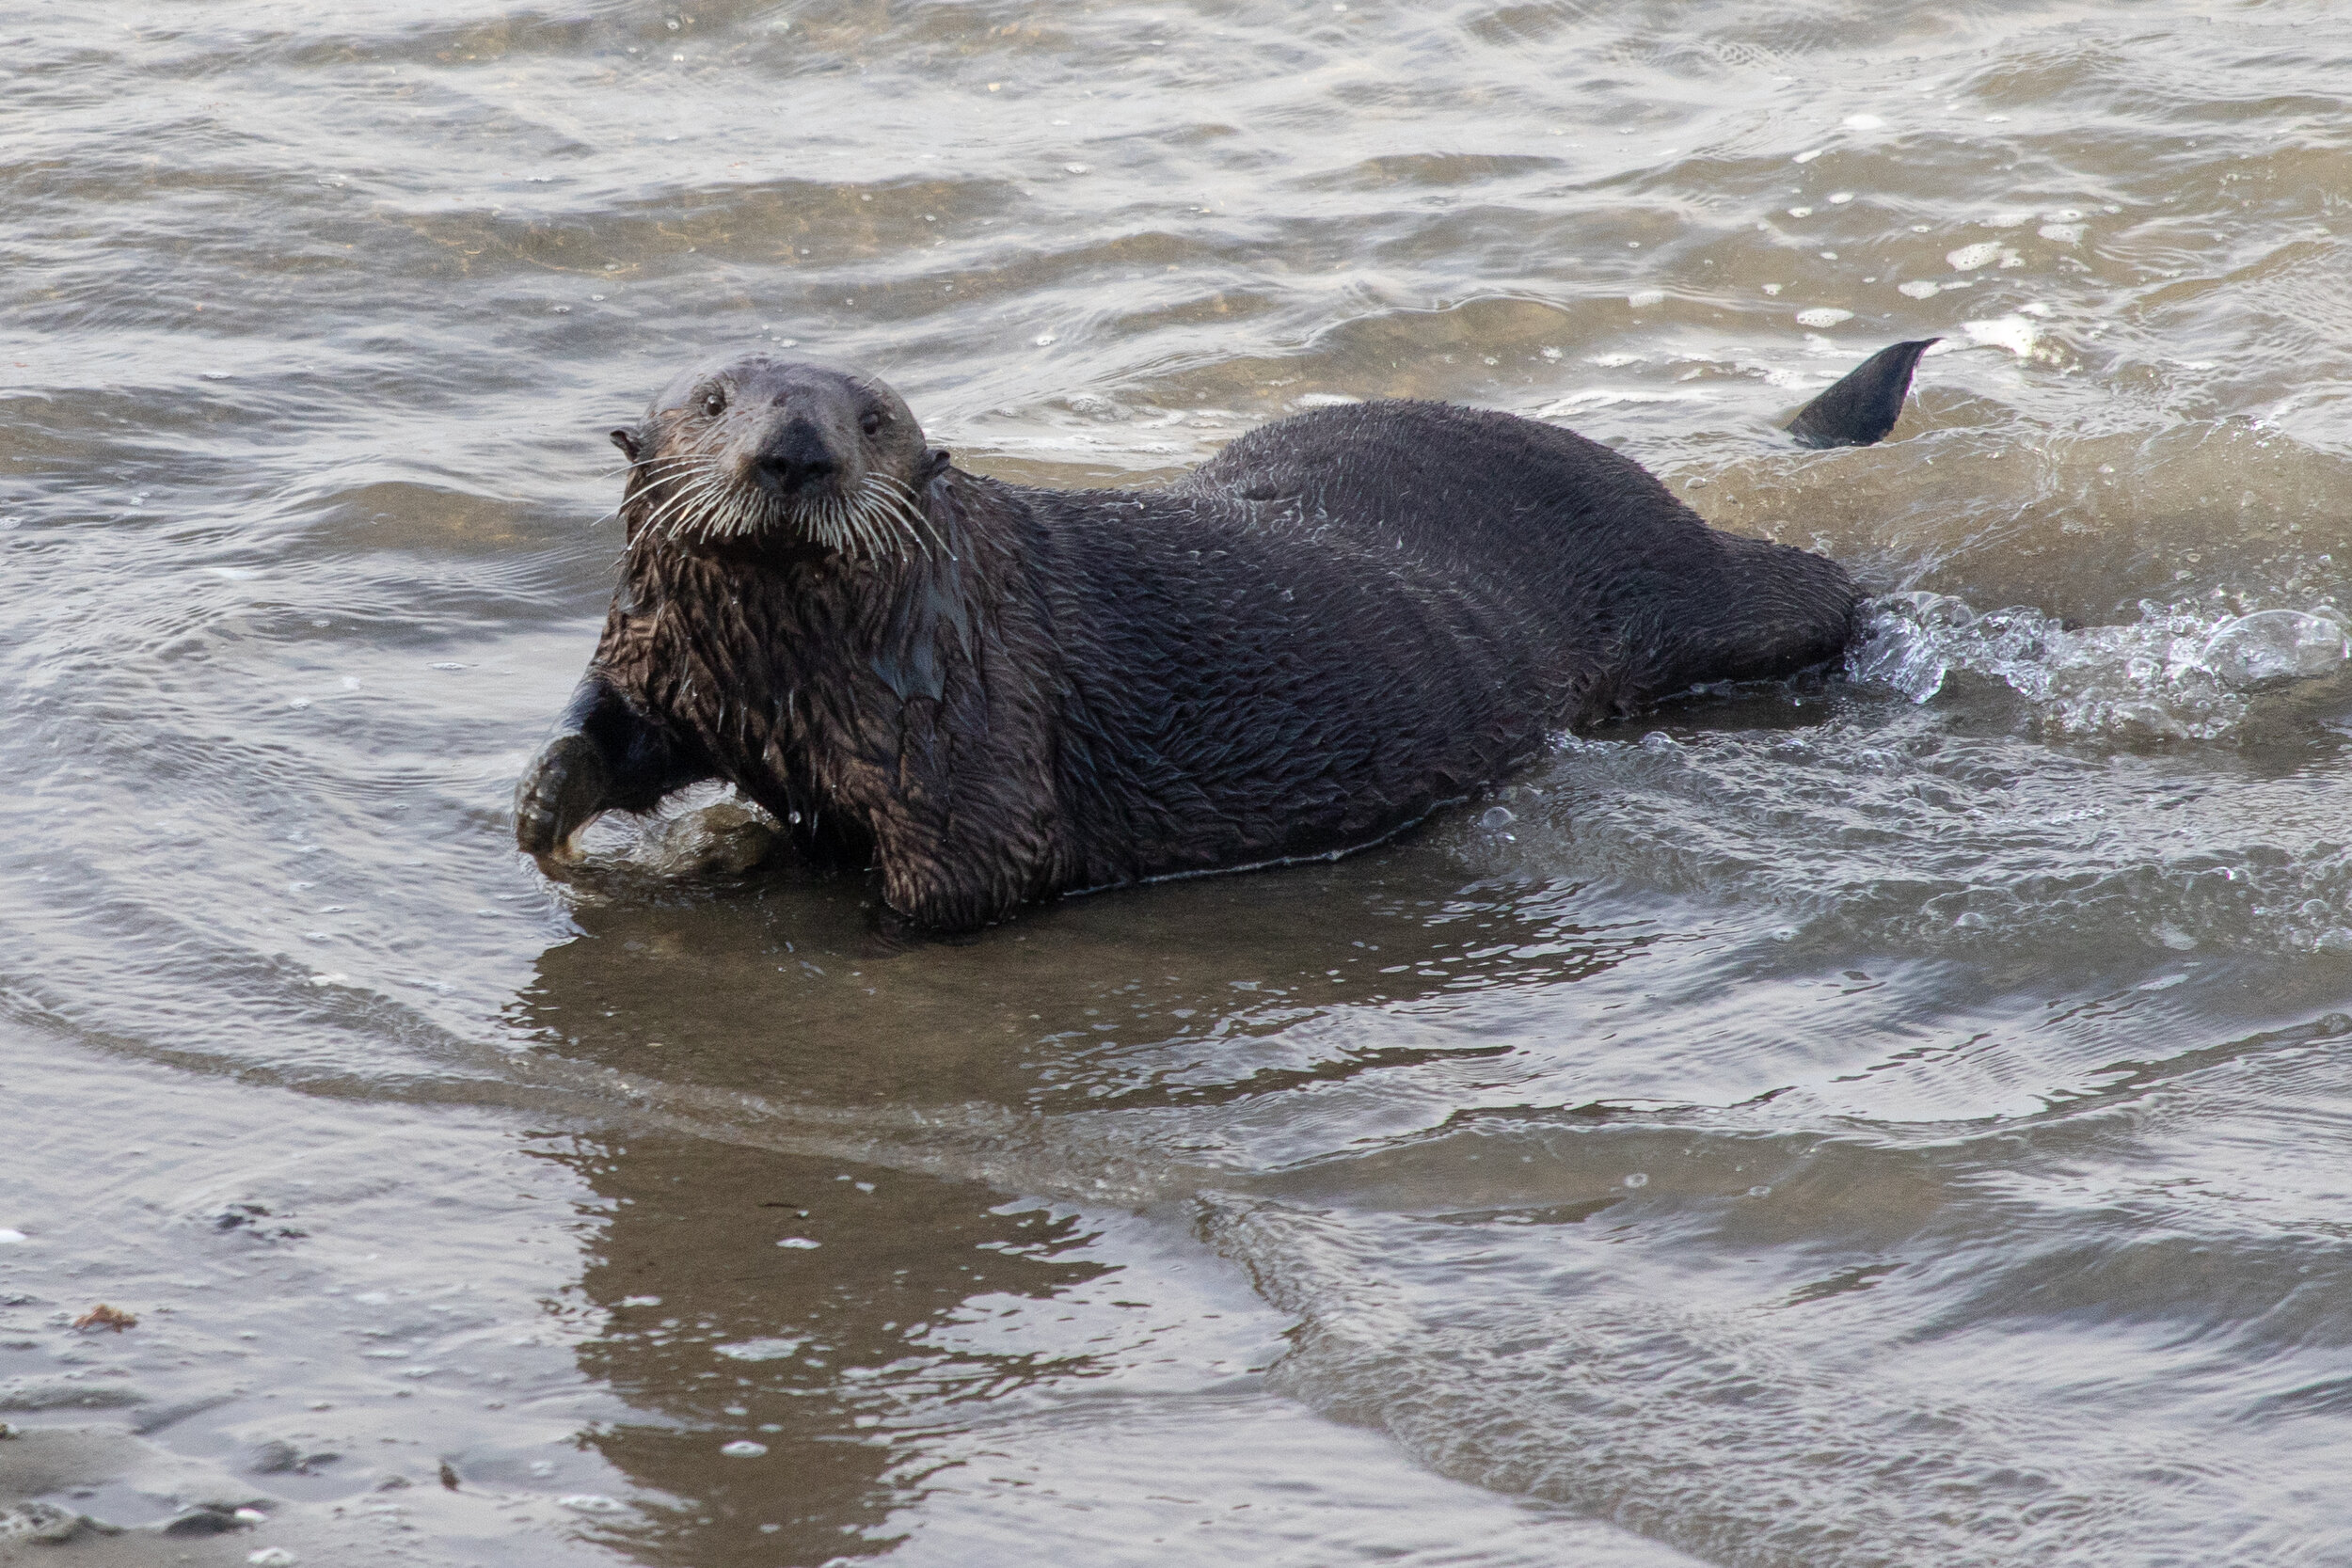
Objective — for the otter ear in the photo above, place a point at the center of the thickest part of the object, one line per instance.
(936, 463)
(626, 442)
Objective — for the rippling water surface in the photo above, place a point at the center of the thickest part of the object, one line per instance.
(1895, 1118)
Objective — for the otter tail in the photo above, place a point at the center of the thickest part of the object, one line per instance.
(1862, 407)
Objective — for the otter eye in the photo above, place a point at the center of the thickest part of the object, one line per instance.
(714, 403)
(871, 422)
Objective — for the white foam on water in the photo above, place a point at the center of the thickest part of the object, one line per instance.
(1968, 258)
(2012, 332)
(770, 1348)
(1826, 315)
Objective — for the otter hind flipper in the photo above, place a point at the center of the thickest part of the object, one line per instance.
(1863, 405)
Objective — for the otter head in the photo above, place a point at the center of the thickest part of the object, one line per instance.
(773, 451)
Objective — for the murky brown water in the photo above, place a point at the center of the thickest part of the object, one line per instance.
(1897, 1120)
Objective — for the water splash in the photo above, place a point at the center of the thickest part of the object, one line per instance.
(2174, 672)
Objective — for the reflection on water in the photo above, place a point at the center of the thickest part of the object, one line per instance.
(1892, 1117)
(810, 1314)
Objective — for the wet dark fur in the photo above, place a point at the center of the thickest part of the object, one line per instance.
(1344, 621)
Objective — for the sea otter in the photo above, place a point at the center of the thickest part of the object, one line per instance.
(992, 693)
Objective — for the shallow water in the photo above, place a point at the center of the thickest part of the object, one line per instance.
(1896, 1118)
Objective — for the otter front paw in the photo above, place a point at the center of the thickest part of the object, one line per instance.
(560, 792)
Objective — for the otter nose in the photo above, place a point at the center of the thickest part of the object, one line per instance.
(796, 456)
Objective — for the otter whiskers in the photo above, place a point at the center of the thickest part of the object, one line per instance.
(880, 518)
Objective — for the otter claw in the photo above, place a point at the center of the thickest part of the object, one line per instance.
(562, 792)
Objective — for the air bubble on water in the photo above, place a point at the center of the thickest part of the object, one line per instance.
(743, 1447)
(1760, 1191)
(1637, 1179)
(1838, 198)
(1642, 299)
(1824, 315)
(1799, 212)
(1784, 933)
(2274, 645)
(1920, 290)
(1497, 817)
(798, 1242)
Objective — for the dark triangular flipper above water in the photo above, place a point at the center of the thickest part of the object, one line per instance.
(1862, 406)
